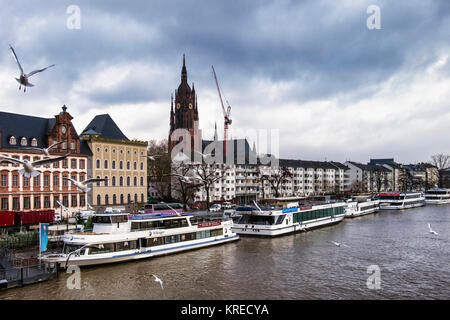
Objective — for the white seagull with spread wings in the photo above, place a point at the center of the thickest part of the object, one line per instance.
(158, 280)
(83, 185)
(23, 80)
(45, 151)
(28, 167)
(431, 230)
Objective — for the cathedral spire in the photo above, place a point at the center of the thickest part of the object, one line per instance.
(183, 70)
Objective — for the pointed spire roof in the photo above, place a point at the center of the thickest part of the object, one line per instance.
(183, 70)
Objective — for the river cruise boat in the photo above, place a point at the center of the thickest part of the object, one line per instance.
(437, 196)
(401, 200)
(291, 217)
(360, 206)
(118, 237)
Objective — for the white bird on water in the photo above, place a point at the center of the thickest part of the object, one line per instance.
(158, 280)
(45, 151)
(337, 244)
(431, 230)
(23, 80)
(83, 185)
(28, 167)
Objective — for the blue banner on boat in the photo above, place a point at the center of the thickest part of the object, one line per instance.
(43, 237)
(286, 210)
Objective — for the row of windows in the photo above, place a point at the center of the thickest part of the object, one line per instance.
(74, 163)
(166, 224)
(121, 199)
(113, 165)
(151, 242)
(57, 180)
(113, 181)
(317, 214)
(34, 143)
(27, 201)
(121, 151)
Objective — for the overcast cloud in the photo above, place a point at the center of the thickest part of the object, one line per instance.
(311, 69)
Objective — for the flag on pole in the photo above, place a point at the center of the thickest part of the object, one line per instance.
(43, 237)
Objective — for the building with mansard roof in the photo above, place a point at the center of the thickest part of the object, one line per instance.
(120, 160)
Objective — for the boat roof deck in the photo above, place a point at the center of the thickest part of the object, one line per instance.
(146, 216)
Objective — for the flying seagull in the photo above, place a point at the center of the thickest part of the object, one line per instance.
(152, 156)
(158, 280)
(82, 185)
(337, 244)
(185, 179)
(23, 80)
(28, 167)
(431, 230)
(45, 151)
(62, 206)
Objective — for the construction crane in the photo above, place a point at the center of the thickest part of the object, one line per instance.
(226, 114)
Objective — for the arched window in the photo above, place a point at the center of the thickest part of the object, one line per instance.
(98, 183)
(135, 165)
(121, 165)
(12, 140)
(106, 199)
(106, 181)
(121, 199)
(128, 181)
(135, 181)
(113, 164)
(142, 197)
(98, 200)
(106, 164)
(114, 199)
(23, 141)
(142, 166)
(113, 181)
(135, 198)
(142, 181)
(98, 164)
(34, 142)
(121, 181)
(129, 198)
(128, 165)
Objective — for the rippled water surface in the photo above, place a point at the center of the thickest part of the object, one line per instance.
(414, 264)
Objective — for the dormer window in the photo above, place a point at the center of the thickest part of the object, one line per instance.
(12, 140)
(64, 145)
(34, 142)
(23, 141)
(72, 145)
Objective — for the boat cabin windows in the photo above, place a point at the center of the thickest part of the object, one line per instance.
(68, 248)
(101, 219)
(147, 242)
(438, 192)
(254, 219)
(391, 197)
(159, 224)
(119, 219)
(280, 219)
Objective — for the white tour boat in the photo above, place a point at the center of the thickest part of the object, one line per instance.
(437, 196)
(275, 221)
(360, 206)
(401, 200)
(120, 237)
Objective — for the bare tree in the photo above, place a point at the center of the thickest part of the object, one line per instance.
(278, 177)
(208, 174)
(184, 189)
(442, 162)
(158, 168)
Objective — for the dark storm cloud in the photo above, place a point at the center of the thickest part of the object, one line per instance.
(323, 49)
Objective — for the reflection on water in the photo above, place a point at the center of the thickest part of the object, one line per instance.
(413, 262)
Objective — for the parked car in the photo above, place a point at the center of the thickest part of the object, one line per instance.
(215, 208)
(227, 205)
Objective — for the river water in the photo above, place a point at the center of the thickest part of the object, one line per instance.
(413, 264)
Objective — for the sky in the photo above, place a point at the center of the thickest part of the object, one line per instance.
(313, 71)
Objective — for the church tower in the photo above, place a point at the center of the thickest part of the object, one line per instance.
(184, 113)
